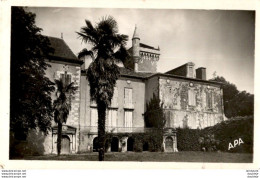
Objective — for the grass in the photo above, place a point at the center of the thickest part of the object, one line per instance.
(185, 156)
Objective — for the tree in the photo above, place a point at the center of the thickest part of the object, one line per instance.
(62, 105)
(236, 103)
(30, 101)
(155, 118)
(108, 48)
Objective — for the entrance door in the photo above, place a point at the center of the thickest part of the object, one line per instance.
(65, 145)
(95, 144)
(130, 144)
(114, 144)
(169, 144)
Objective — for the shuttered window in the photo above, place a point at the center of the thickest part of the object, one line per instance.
(128, 97)
(190, 72)
(168, 118)
(192, 97)
(128, 118)
(209, 100)
(66, 80)
(111, 119)
(114, 101)
(94, 117)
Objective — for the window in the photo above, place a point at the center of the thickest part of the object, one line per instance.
(111, 118)
(190, 72)
(192, 97)
(168, 118)
(114, 101)
(128, 119)
(209, 100)
(67, 79)
(128, 97)
(94, 117)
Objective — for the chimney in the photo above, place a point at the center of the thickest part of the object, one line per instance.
(201, 73)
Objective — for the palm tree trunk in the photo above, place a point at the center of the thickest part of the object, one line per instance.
(59, 138)
(101, 129)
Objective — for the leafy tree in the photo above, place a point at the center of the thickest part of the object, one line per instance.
(30, 101)
(62, 105)
(236, 103)
(155, 118)
(108, 48)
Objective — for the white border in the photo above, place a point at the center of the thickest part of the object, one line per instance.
(5, 7)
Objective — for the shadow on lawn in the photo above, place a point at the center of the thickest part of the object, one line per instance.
(185, 156)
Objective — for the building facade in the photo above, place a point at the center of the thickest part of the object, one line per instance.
(189, 100)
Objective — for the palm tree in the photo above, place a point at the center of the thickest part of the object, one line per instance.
(62, 106)
(107, 48)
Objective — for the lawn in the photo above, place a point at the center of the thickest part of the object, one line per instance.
(185, 156)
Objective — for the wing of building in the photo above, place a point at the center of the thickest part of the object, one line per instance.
(190, 100)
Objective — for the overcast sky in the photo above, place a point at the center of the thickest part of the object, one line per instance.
(221, 41)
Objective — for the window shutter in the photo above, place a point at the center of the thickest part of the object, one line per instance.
(192, 98)
(130, 96)
(62, 76)
(168, 117)
(114, 118)
(68, 79)
(114, 101)
(128, 118)
(94, 117)
(126, 96)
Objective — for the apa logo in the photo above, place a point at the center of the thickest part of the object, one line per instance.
(236, 142)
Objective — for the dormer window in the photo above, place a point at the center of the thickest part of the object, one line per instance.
(190, 70)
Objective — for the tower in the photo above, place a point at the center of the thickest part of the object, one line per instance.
(145, 57)
(136, 49)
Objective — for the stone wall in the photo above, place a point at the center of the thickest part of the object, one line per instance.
(174, 95)
(147, 64)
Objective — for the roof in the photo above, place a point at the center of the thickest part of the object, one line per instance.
(136, 35)
(147, 46)
(61, 50)
(185, 78)
(131, 73)
(146, 76)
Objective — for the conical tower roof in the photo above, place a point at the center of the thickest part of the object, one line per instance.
(136, 35)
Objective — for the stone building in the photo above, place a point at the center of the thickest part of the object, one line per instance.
(189, 100)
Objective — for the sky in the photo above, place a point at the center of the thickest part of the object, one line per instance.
(220, 40)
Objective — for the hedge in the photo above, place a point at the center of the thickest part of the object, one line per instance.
(224, 134)
(187, 139)
(229, 131)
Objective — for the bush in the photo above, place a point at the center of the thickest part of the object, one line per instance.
(233, 129)
(219, 137)
(208, 143)
(187, 139)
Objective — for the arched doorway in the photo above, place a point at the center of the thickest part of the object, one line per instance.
(114, 144)
(145, 146)
(65, 144)
(130, 144)
(95, 144)
(169, 144)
